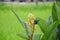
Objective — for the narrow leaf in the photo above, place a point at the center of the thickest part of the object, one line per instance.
(36, 37)
(50, 20)
(54, 13)
(22, 22)
(22, 36)
(43, 25)
(51, 29)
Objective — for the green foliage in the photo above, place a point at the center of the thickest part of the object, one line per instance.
(43, 25)
(56, 16)
(56, 12)
(52, 27)
(48, 32)
(47, 28)
(24, 24)
(10, 27)
(36, 37)
(23, 36)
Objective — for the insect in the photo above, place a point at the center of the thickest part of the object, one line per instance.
(36, 21)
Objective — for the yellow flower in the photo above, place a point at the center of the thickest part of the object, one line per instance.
(31, 19)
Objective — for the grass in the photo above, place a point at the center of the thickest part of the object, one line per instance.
(9, 24)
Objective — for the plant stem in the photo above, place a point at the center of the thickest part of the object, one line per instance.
(33, 26)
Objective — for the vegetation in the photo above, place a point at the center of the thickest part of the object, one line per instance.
(11, 28)
(48, 28)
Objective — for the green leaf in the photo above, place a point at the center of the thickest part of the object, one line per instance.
(56, 12)
(23, 23)
(23, 36)
(48, 32)
(50, 20)
(43, 25)
(53, 36)
(36, 37)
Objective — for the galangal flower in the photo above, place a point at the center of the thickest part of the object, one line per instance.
(31, 19)
(31, 24)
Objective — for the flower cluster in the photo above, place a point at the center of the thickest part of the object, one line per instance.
(31, 19)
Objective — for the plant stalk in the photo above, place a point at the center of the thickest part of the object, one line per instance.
(33, 26)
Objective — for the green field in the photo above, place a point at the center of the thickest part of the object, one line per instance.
(9, 24)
